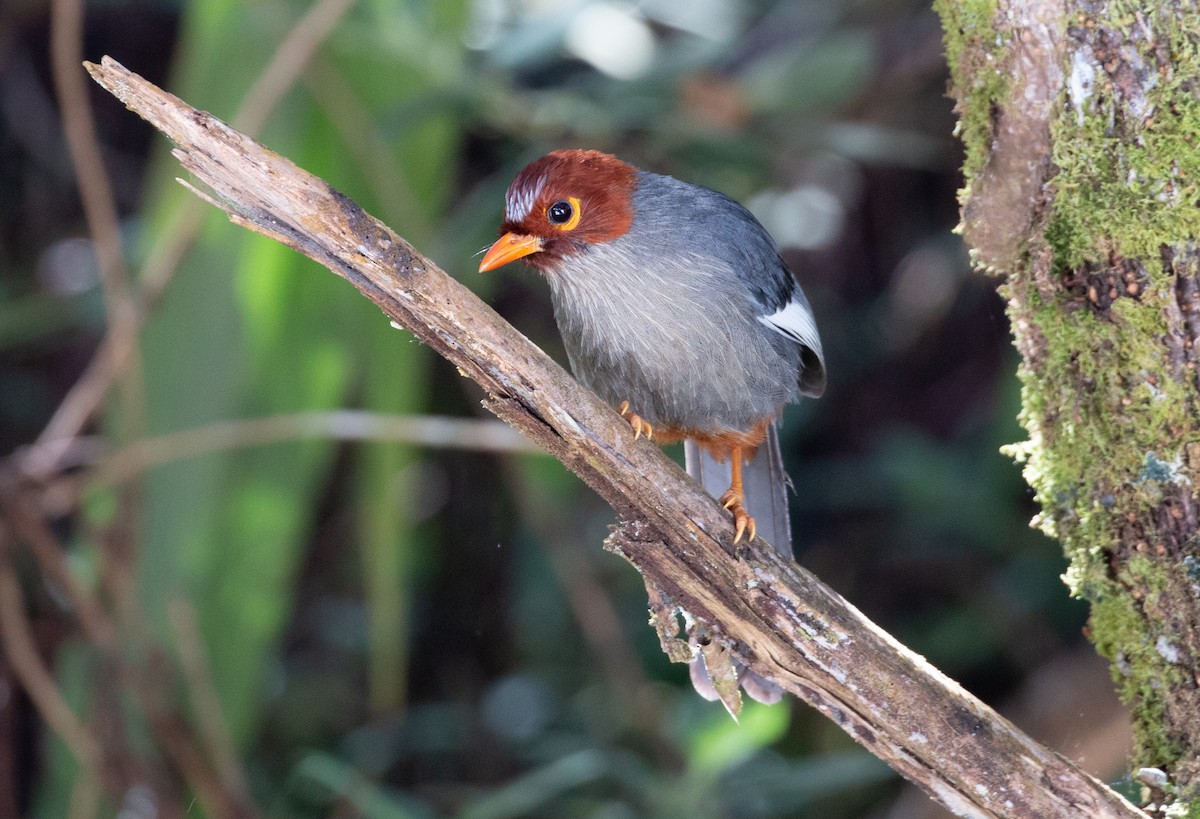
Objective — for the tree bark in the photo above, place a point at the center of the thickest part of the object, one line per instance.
(762, 609)
(1081, 122)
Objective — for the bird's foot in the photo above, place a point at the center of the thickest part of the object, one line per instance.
(742, 522)
(639, 424)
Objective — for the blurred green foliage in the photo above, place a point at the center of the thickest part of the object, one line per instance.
(393, 630)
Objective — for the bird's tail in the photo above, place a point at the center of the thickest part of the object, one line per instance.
(765, 485)
(763, 480)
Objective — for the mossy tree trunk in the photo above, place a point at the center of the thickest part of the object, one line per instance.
(1081, 122)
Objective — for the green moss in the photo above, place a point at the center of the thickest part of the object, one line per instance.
(1086, 418)
(1100, 409)
(974, 52)
(1128, 181)
(1143, 677)
(1108, 423)
(1100, 403)
(1180, 810)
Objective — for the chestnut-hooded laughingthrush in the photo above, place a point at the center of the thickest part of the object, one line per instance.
(674, 306)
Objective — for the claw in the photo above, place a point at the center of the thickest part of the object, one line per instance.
(739, 528)
(639, 424)
(742, 522)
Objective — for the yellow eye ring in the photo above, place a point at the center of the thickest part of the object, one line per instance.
(565, 214)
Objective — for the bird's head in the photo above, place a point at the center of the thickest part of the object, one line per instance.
(559, 205)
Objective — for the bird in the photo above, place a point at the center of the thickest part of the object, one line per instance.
(675, 307)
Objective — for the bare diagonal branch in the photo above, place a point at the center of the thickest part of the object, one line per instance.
(771, 613)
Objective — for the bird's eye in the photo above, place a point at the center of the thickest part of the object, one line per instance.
(560, 213)
(565, 213)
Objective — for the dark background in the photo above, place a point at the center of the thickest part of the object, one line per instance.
(393, 629)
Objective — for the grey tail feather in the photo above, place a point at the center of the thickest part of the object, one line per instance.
(764, 481)
(766, 486)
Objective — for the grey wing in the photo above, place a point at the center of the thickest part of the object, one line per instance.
(794, 320)
(723, 229)
(774, 288)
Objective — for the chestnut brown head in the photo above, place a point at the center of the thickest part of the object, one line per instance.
(561, 203)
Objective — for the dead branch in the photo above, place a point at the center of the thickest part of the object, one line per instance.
(146, 682)
(21, 651)
(768, 612)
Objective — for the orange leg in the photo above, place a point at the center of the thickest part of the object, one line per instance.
(640, 425)
(734, 498)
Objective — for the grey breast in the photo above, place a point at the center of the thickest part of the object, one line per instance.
(665, 318)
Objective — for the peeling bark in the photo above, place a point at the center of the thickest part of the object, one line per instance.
(1001, 209)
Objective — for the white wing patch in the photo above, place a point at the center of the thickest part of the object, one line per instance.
(520, 201)
(795, 321)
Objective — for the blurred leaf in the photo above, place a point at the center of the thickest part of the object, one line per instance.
(532, 791)
(824, 75)
(323, 785)
(769, 785)
(722, 743)
(36, 318)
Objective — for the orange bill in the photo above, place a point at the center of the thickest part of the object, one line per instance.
(509, 248)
